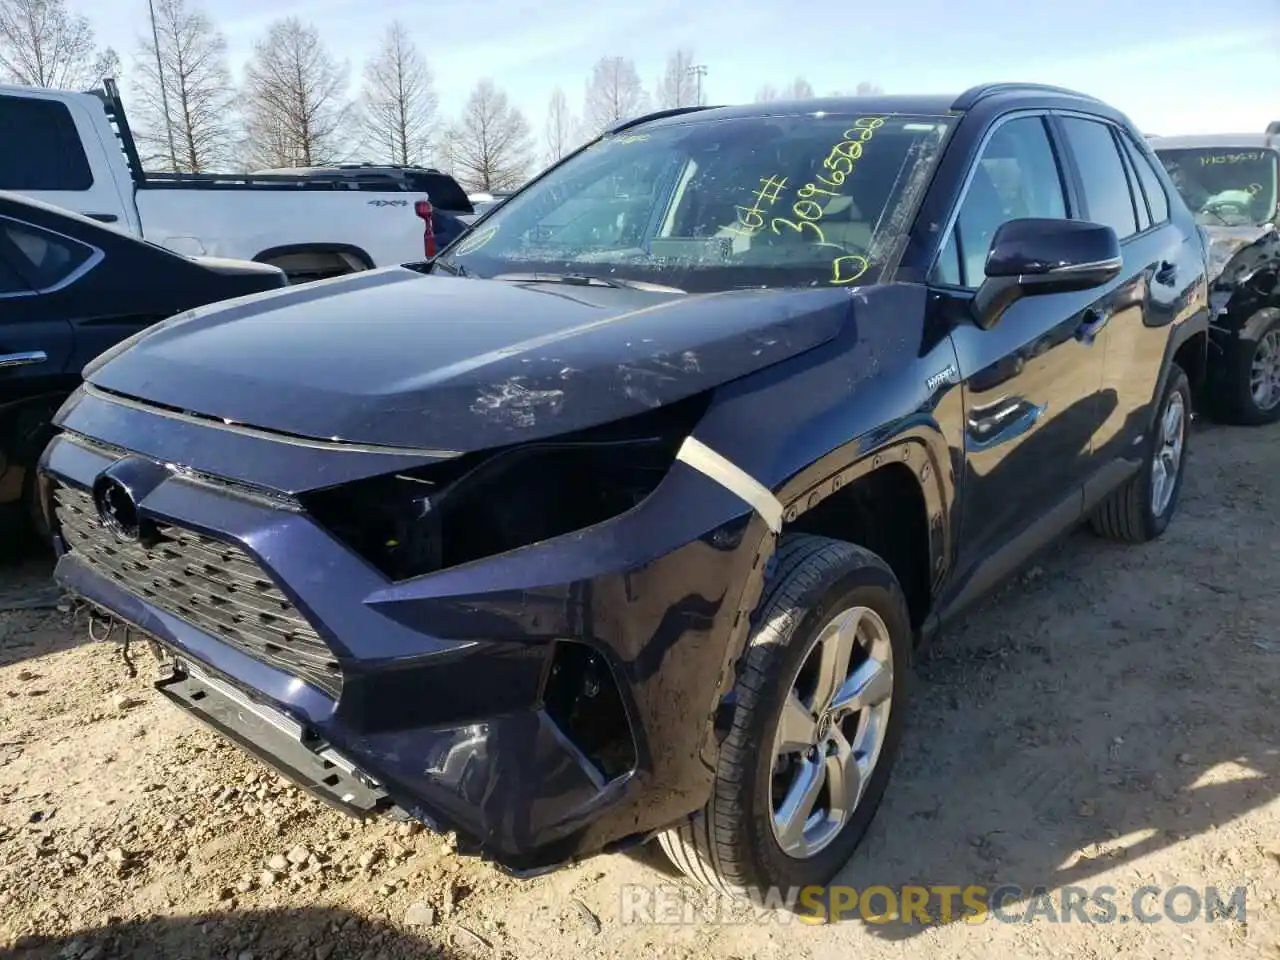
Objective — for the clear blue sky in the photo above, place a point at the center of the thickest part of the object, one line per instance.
(1173, 66)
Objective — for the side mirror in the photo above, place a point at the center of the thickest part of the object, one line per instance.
(1032, 257)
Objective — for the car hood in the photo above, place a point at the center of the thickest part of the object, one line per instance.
(397, 358)
(1227, 241)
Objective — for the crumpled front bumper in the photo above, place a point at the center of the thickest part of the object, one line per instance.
(442, 702)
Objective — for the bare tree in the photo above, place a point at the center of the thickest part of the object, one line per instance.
(561, 126)
(296, 113)
(678, 86)
(42, 44)
(490, 145)
(766, 93)
(614, 92)
(444, 150)
(865, 88)
(798, 89)
(400, 99)
(186, 102)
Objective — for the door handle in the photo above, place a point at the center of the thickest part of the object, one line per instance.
(1167, 275)
(991, 431)
(103, 217)
(24, 359)
(1091, 325)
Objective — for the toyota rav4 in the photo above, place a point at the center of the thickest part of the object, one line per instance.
(623, 517)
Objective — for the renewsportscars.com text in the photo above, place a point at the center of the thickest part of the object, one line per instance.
(926, 905)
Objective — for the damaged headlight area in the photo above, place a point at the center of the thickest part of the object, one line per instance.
(483, 504)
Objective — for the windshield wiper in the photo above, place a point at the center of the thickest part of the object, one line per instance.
(456, 269)
(586, 280)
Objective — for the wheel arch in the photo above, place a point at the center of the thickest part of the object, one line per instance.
(917, 463)
(1188, 341)
(908, 525)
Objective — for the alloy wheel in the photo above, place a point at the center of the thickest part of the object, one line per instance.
(1264, 372)
(831, 731)
(1168, 457)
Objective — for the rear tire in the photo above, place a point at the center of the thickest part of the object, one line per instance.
(1141, 509)
(1246, 390)
(823, 598)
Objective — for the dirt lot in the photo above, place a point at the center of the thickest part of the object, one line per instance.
(1110, 719)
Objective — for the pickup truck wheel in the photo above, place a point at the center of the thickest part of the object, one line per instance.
(1141, 509)
(818, 717)
(1247, 389)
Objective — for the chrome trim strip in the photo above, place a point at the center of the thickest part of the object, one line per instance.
(286, 725)
(25, 358)
(734, 479)
(1115, 262)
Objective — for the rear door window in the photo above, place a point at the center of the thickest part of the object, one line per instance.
(1106, 186)
(1157, 199)
(46, 259)
(10, 282)
(49, 155)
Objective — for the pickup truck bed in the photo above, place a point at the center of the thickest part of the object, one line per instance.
(76, 150)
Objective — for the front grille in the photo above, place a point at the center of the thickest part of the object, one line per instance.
(215, 587)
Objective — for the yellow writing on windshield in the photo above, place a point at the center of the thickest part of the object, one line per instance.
(1217, 158)
(750, 219)
(848, 269)
(807, 211)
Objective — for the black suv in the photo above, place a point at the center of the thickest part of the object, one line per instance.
(623, 517)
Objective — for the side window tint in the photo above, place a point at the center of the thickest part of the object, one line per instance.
(1157, 199)
(1106, 188)
(1135, 190)
(10, 282)
(1016, 176)
(47, 259)
(51, 157)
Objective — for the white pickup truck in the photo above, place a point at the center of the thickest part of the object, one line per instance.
(75, 150)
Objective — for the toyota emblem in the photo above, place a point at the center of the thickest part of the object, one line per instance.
(117, 509)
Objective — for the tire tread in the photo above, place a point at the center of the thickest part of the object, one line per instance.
(804, 561)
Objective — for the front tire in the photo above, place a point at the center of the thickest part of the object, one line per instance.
(818, 718)
(1141, 509)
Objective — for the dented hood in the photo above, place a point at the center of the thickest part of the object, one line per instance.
(1227, 241)
(393, 357)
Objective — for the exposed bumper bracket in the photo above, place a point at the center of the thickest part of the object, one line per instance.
(276, 740)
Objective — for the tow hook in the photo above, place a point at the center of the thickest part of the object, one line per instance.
(102, 629)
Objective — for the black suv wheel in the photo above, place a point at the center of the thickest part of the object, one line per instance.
(819, 713)
(1141, 509)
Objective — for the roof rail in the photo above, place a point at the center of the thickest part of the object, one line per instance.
(627, 124)
(968, 99)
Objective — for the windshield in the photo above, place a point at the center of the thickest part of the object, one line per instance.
(1225, 186)
(705, 205)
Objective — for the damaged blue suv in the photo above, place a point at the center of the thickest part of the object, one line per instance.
(623, 517)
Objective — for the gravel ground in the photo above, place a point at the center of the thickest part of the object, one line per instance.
(1109, 719)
